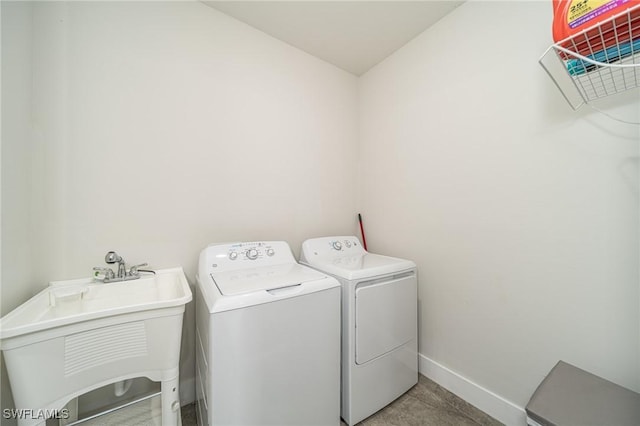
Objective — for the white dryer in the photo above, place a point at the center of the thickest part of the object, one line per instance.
(379, 322)
(267, 337)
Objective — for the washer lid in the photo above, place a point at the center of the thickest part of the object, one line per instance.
(360, 266)
(251, 280)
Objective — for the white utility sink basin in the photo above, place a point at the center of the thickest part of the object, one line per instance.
(78, 335)
(74, 301)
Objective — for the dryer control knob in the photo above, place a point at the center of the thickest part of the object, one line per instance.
(233, 255)
(337, 245)
(270, 252)
(252, 254)
(347, 243)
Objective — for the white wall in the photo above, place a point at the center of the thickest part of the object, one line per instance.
(16, 177)
(16, 148)
(160, 127)
(521, 214)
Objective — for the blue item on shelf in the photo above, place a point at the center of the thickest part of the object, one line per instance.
(612, 54)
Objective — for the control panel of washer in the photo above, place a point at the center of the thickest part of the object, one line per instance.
(225, 257)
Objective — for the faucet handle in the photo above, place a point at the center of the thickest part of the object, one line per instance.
(134, 269)
(103, 274)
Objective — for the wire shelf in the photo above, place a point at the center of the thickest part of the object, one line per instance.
(601, 61)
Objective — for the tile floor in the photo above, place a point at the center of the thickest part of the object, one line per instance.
(426, 404)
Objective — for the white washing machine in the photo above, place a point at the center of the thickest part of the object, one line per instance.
(379, 322)
(268, 338)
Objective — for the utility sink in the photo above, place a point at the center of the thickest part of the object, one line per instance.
(75, 301)
(77, 335)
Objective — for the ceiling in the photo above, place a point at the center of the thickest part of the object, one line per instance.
(353, 35)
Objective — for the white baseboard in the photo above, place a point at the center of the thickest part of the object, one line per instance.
(496, 406)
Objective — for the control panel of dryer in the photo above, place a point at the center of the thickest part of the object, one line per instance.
(333, 247)
(244, 255)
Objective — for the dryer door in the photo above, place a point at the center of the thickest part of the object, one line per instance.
(386, 315)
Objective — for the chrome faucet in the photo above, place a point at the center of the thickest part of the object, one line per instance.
(122, 274)
(111, 258)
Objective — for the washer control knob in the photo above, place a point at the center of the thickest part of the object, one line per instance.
(270, 252)
(347, 243)
(252, 254)
(233, 255)
(337, 245)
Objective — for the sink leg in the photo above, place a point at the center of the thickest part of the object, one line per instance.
(170, 402)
